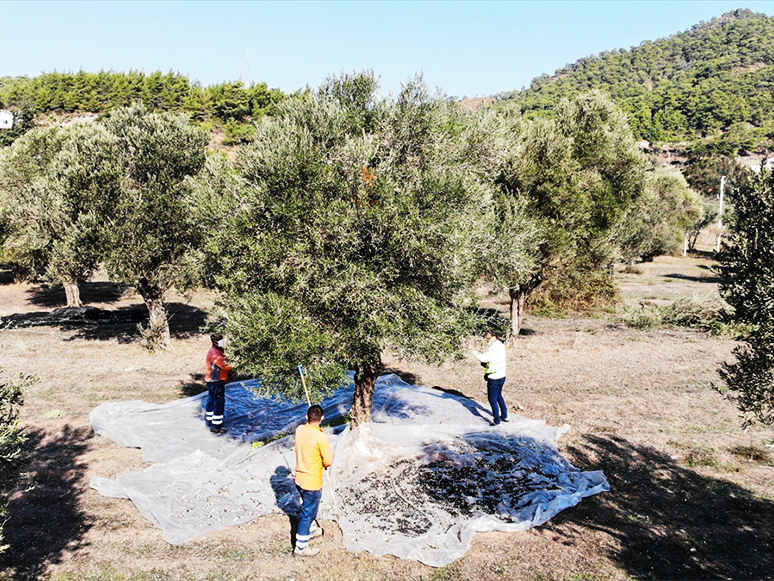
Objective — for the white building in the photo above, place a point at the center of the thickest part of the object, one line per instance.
(6, 119)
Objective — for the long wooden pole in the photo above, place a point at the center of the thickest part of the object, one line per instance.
(303, 382)
(328, 476)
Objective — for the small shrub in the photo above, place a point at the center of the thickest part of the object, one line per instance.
(752, 453)
(236, 133)
(549, 312)
(631, 269)
(702, 313)
(643, 317)
(569, 290)
(701, 456)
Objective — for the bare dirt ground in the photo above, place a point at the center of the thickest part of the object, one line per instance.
(692, 495)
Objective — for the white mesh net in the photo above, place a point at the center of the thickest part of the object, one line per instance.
(417, 482)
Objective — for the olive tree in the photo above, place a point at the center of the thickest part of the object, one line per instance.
(574, 176)
(661, 220)
(153, 230)
(351, 225)
(59, 186)
(747, 266)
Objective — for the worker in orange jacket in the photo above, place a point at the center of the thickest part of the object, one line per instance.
(216, 377)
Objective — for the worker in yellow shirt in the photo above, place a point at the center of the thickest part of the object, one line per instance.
(313, 454)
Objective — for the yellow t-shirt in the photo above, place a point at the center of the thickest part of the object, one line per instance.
(313, 453)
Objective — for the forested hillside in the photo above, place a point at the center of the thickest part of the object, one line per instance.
(232, 103)
(713, 81)
(103, 91)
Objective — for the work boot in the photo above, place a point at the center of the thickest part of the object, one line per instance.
(307, 552)
(315, 530)
(217, 429)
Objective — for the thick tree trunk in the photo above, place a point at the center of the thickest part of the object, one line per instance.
(519, 295)
(73, 294)
(158, 327)
(518, 301)
(365, 384)
(692, 240)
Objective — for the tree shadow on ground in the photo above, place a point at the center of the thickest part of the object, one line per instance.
(6, 277)
(184, 321)
(710, 254)
(406, 376)
(95, 324)
(193, 387)
(53, 295)
(708, 279)
(454, 392)
(46, 521)
(669, 521)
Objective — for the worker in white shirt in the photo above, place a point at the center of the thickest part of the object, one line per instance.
(495, 360)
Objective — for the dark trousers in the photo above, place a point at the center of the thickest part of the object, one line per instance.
(216, 402)
(494, 391)
(310, 503)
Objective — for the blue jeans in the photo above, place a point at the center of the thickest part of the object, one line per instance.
(494, 391)
(310, 503)
(216, 403)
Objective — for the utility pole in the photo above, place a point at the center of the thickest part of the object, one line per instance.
(720, 212)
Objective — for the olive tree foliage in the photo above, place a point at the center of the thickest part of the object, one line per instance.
(510, 253)
(704, 176)
(747, 267)
(153, 230)
(351, 225)
(661, 220)
(13, 455)
(58, 187)
(574, 177)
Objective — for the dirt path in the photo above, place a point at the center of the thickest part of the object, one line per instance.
(692, 496)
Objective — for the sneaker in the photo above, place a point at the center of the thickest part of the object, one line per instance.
(505, 420)
(318, 532)
(307, 552)
(494, 423)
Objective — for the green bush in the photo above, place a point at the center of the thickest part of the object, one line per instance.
(13, 455)
(236, 133)
(699, 313)
(569, 290)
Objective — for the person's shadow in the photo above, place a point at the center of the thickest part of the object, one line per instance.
(288, 500)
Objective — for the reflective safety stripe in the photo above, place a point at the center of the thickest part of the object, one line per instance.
(302, 541)
(208, 416)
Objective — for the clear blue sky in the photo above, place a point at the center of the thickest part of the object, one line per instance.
(465, 48)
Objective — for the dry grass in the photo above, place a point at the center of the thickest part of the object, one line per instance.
(691, 495)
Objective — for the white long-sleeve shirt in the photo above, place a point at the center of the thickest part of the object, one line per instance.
(495, 359)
